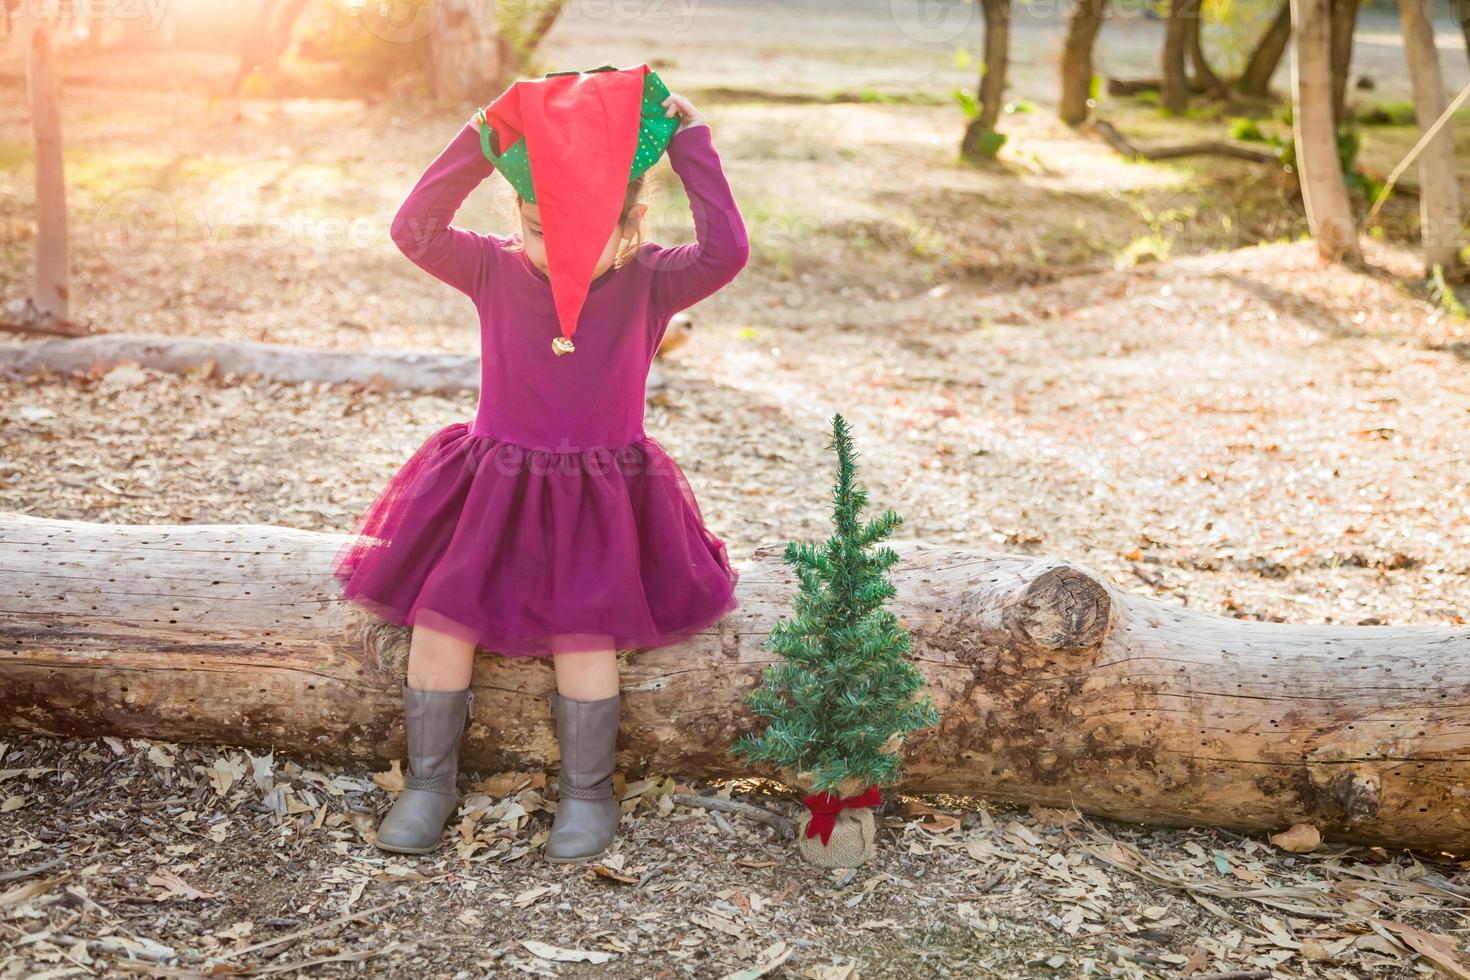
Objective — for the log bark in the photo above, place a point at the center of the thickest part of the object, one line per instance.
(1082, 27)
(434, 373)
(1314, 127)
(1439, 198)
(1137, 86)
(1055, 686)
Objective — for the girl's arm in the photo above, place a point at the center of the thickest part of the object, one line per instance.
(421, 228)
(686, 274)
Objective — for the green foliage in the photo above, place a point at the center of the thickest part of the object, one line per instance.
(1152, 247)
(1247, 131)
(1349, 142)
(844, 691)
(13, 153)
(354, 45)
(1020, 105)
(990, 143)
(515, 25)
(1203, 111)
(1387, 114)
(1232, 29)
(968, 105)
(369, 47)
(1348, 146)
(1157, 244)
(1444, 294)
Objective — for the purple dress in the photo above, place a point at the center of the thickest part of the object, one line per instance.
(552, 511)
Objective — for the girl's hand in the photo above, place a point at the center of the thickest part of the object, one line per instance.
(689, 116)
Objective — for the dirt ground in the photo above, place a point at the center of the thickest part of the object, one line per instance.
(1134, 366)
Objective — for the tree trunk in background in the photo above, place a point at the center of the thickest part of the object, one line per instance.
(1344, 22)
(1204, 76)
(1439, 195)
(53, 266)
(1054, 686)
(278, 41)
(1173, 82)
(991, 93)
(254, 42)
(267, 40)
(1256, 79)
(1464, 12)
(1082, 27)
(1329, 215)
(468, 58)
(537, 33)
(997, 58)
(472, 59)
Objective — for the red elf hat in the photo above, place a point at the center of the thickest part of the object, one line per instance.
(581, 133)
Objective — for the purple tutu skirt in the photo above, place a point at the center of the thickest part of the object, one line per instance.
(508, 547)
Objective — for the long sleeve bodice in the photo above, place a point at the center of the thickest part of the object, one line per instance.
(421, 228)
(595, 396)
(686, 274)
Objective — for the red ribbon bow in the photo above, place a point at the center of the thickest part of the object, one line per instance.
(825, 807)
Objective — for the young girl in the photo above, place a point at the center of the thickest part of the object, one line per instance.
(552, 525)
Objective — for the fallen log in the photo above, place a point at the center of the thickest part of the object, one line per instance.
(1137, 86)
(1055, 686)
(1110, 135)
(430, 372)
(444, 374)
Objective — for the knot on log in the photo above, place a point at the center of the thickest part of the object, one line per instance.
(385, 649)
(1357, 794)
(1064, 608)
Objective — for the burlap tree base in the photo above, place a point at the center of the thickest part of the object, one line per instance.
(854, 840)
(854, 837)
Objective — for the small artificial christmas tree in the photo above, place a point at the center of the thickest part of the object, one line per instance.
(843, 696)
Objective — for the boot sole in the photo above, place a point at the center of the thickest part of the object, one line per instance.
(408, 850)
(577, 860)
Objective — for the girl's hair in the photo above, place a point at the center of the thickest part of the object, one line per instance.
(630, 200)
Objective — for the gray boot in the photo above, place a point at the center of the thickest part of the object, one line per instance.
(587, 812)
(434, 722)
